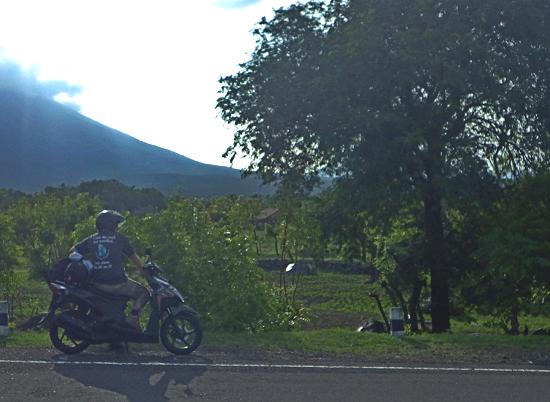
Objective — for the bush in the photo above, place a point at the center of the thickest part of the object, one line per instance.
(212, 266)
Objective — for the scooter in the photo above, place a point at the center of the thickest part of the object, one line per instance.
(80, 315)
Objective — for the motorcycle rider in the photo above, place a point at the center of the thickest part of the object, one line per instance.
(107, 250)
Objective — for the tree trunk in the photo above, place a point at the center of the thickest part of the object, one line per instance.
(257, 241)
(382, 313)
(421, 318)
(389, 292)
(401, 302)
(436, 261)
(363, 250)
(435, 243)
(514, 320)
(414, 305)
(284, 240)
(276, 246)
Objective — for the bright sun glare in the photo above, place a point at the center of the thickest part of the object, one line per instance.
(149, 69)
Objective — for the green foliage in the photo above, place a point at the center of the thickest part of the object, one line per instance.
(11, 289)
(297, 227)
(342, 219)
(210, 264)
(10, 257)
(9, 250)
(400, 258)
(514, 250)
(8, 197)
(43, 226)
(428, 88)
(23, 296)
(403, 98)
(207, 247)
(39, 230)
(499, 247)
(115, 195)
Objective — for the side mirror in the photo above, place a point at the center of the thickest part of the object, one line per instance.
(148, 252)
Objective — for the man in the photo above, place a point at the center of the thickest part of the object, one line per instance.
(108, 250)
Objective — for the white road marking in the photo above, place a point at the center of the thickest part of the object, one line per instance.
(278, 366)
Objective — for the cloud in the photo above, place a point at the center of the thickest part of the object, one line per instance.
(236, 3)
(13, 77)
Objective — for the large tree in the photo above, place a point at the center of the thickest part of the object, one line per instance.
(402, 97)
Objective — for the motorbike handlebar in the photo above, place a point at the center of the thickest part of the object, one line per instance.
(152, 269)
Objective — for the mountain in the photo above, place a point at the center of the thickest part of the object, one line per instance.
(43, 143)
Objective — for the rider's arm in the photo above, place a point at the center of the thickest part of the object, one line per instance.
(81, 248)
(138, 263)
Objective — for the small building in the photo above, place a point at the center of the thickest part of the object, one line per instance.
(267, 216)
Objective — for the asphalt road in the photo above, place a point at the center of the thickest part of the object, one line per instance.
(212, 377)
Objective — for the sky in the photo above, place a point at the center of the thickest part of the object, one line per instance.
(148, 68)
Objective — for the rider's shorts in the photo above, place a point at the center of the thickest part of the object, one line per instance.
(131, 289)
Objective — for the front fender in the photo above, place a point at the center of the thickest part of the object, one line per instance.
(175, 309)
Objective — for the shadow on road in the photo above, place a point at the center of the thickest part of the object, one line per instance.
(126, 376)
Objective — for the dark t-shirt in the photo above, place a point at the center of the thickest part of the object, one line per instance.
(107, 251)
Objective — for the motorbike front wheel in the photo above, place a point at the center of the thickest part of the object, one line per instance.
(181, 334)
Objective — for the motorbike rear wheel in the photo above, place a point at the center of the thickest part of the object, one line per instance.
(181, 334)
(64, 342)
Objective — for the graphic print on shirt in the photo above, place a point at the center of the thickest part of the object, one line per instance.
(102, 252)
(102, 244)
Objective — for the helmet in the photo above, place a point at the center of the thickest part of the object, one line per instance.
(76, 274)
(108, 220)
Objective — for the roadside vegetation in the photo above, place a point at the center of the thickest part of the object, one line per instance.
(229, 255)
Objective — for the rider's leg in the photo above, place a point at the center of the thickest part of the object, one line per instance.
(131, 289)
(134, 291)
(138, 293)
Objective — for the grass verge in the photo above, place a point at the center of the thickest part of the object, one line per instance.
(424, 347)
(26, 339)
(342, 343)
